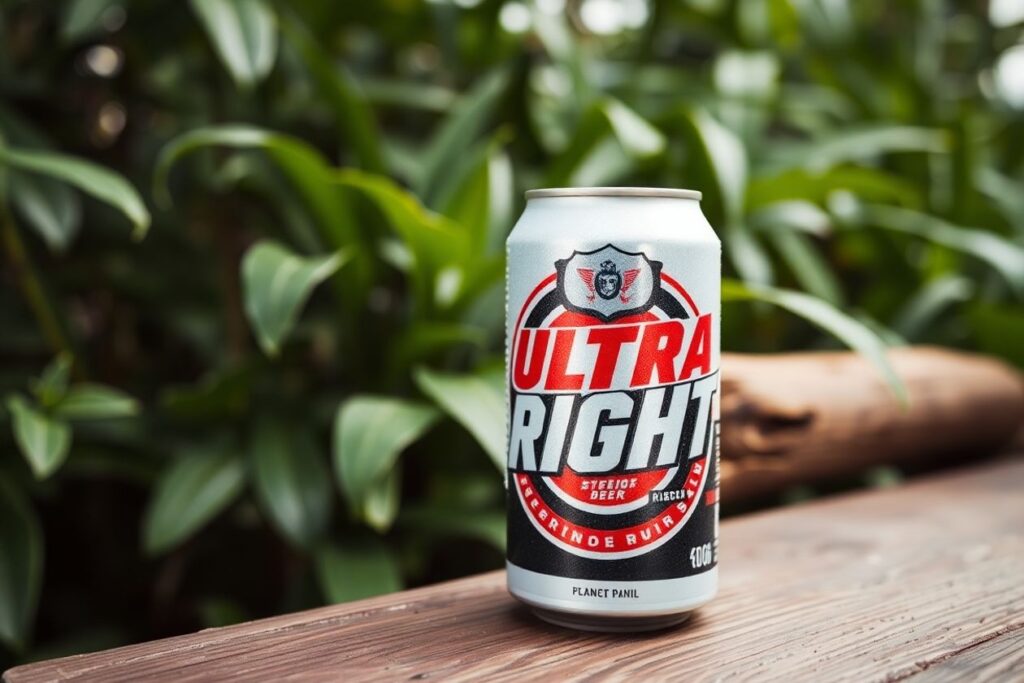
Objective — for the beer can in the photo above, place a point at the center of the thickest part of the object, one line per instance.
(612, 359)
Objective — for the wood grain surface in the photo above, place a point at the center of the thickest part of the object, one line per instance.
(923, 582)
(815, 416)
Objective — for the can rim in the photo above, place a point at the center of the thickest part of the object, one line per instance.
(613, 192)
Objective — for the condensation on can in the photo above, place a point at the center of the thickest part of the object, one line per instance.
(612, 357)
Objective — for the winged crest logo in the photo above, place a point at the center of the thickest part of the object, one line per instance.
(608, 283)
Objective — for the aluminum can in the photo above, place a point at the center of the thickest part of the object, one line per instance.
(612, 357)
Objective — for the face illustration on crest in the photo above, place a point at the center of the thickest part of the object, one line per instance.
(609, 281)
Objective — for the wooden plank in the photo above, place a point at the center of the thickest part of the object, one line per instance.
(884, 585)
(990, 661)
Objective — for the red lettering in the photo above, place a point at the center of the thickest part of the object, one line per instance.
(557, 377)
(659, 347)
(610, 340)
(698, 356)
(529, 367)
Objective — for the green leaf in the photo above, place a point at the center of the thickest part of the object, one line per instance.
(291, 481)
(96, 181)
(369, 434)
(53, 383)
(50, 207)
(275, 285)
(422, 340)
(998, 330)
(815, 186)
(795, 214)
(356, 570)
(306, 170)
(221, 394)
(608, 132)
(726, 157)
(188, 494)
(856, 145)
(477, 402)
(244, 34)
(380, 503)
(95, 401)
(925, 305)
(459, 131)
(807, 264)
(434, 241)
(1002, 255)
(1004, 193)
(43, 440)
(352, 113)
(21, 566)
(481, 200)
(83, 18)
(723, 157)
(850, 331)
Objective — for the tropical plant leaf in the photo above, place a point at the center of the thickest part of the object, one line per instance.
(188, 494)
(352, 112)
(291, 481)
(998, 330)
(609, 133)
(21, 566)
(850, 331)
(276, 284)
(460, 129)
(244, 35)
(807, 264)
(724, 159)
(433, 241)
(370, 432)
(53, 383)
(477, 402)
(93, 179)
(1002, 255)
(856, 145)
(42, 439)
(817, 186)
(921, 309)
(307, 171)
(83, 18)
(49, 206)
(481, 200)
(381, 501)
(94, 401)
(356, 570)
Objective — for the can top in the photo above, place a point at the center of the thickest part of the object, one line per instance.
(613, 192)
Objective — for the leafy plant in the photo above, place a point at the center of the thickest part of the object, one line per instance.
(287, 389)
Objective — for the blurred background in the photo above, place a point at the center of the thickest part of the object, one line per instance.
(251, 300)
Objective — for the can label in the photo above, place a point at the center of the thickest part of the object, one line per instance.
(613, 422)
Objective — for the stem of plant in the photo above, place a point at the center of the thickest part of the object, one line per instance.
(28, 280)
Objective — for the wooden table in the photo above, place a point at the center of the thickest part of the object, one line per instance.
(921, 582)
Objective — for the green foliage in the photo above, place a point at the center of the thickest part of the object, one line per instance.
(291, 481)
(244, 34)
(86, 176)
(189, 493)
(276, 283)
(21, 564)
(477, 402)
(356, 570)
(322, 301)
(370, 432)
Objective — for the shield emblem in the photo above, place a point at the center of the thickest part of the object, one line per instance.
(608, 283)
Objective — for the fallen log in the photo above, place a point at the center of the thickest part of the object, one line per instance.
(801, 418)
